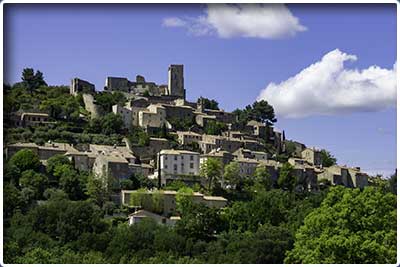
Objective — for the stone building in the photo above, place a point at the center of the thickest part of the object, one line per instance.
(81, 86)
(167, 200)
(139, 87)
(179, 113)
(176, 85)
(154, 117)
(186, 137)
(147, 153)
(312, 156)
(43, 151)
(34, 119)
(221, 116)
(125, 113)
(224, 156)
(342, 175)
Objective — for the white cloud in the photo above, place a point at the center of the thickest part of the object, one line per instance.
(173, 22)
(327, 87)
(267, 21)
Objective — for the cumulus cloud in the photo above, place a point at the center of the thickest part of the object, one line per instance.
(327, 87)
(267, 21)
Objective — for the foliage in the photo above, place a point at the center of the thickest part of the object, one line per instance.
(24, 159)
(232, 174)
(353, 226)
(327, 158)
(32, 80)
(287, 180)
(260, 111)
(215, 127)
(208, 103)
(212, 170)
(108, 99)
(36, 181)
(139, 136)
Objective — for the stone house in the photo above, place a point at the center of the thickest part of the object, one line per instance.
(187, 137)
(342, 175)
(33, 119)
(203, 119)
(146, 153)
(126, 114)
(43, 151)
(168, 200)
(312, 156)
(139, 215)
(221, 116)
(154, 117)
(224, 156)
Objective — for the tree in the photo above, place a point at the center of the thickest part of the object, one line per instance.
(112, 124)
(208, 103)
(36, 181)
(393, 183)
(25, 159)
(97, 190)
(232, 174)
(327, 158)
(215, 128)
(183, 199)
(56, 161)
(71, 182)
(350, 226)
(31, 80)
(199, 222)
(263, 112)
(107, 99)
(212, 170)
(286, 179)
(262, 178)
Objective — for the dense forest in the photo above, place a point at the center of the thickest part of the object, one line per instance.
(54, 213)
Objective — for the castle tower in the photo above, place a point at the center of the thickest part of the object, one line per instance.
(175, 81)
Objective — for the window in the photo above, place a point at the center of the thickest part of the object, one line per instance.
(175, 167)
(191, 157)
(165, 166)
(191, 165)
(175, 157)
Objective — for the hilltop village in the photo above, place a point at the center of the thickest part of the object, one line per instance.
(182, 141)
(136, 173)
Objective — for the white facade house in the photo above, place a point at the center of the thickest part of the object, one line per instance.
(176, 164)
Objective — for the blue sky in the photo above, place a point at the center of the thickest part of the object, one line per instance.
(231, 63)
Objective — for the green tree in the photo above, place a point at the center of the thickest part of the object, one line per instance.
(212, 170)
(36, 181)
(25, 159)
(232, 174)
(263, 112)
(200, 222)
(56, 161)
(209, 103)
(327, 158)
(112, 124)
(286, 179)
(97, 190)
(215, 128)
(183, 199)
(31, 80)
(262, 178)
(393, 183)
(351, 226)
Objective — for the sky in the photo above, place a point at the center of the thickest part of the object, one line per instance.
(329, 70)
